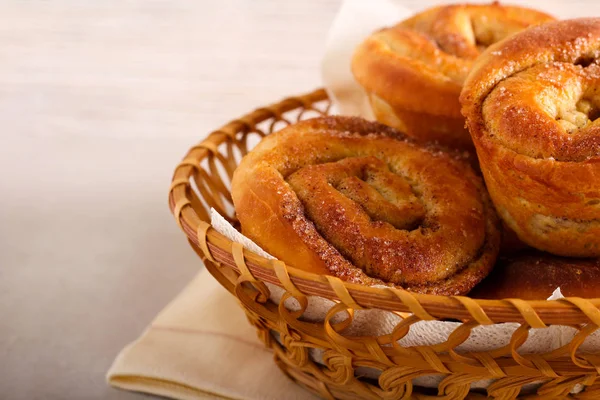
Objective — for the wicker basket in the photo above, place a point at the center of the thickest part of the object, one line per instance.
(202, 181)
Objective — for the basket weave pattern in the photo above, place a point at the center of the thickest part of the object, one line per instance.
(201, 181)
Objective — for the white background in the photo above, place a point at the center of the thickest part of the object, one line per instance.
(99, 100)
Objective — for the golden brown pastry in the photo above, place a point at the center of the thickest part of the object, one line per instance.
(531, 104)
(356, 199)
(533, 275)
(510, 242)
(413, 72)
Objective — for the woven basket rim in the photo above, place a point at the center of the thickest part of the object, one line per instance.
(566, 311)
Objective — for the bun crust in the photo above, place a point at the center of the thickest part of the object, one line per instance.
(413, 72)
(535, 275)
(360, 201)
(531, 105)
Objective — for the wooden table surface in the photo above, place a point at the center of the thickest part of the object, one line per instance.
(99, 100)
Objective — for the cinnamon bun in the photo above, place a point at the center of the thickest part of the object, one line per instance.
(413, 72)
(360, 201)
(532, 104)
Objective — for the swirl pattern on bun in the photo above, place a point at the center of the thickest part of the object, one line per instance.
(360, 201)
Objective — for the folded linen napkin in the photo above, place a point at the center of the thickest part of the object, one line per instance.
(201, 347)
